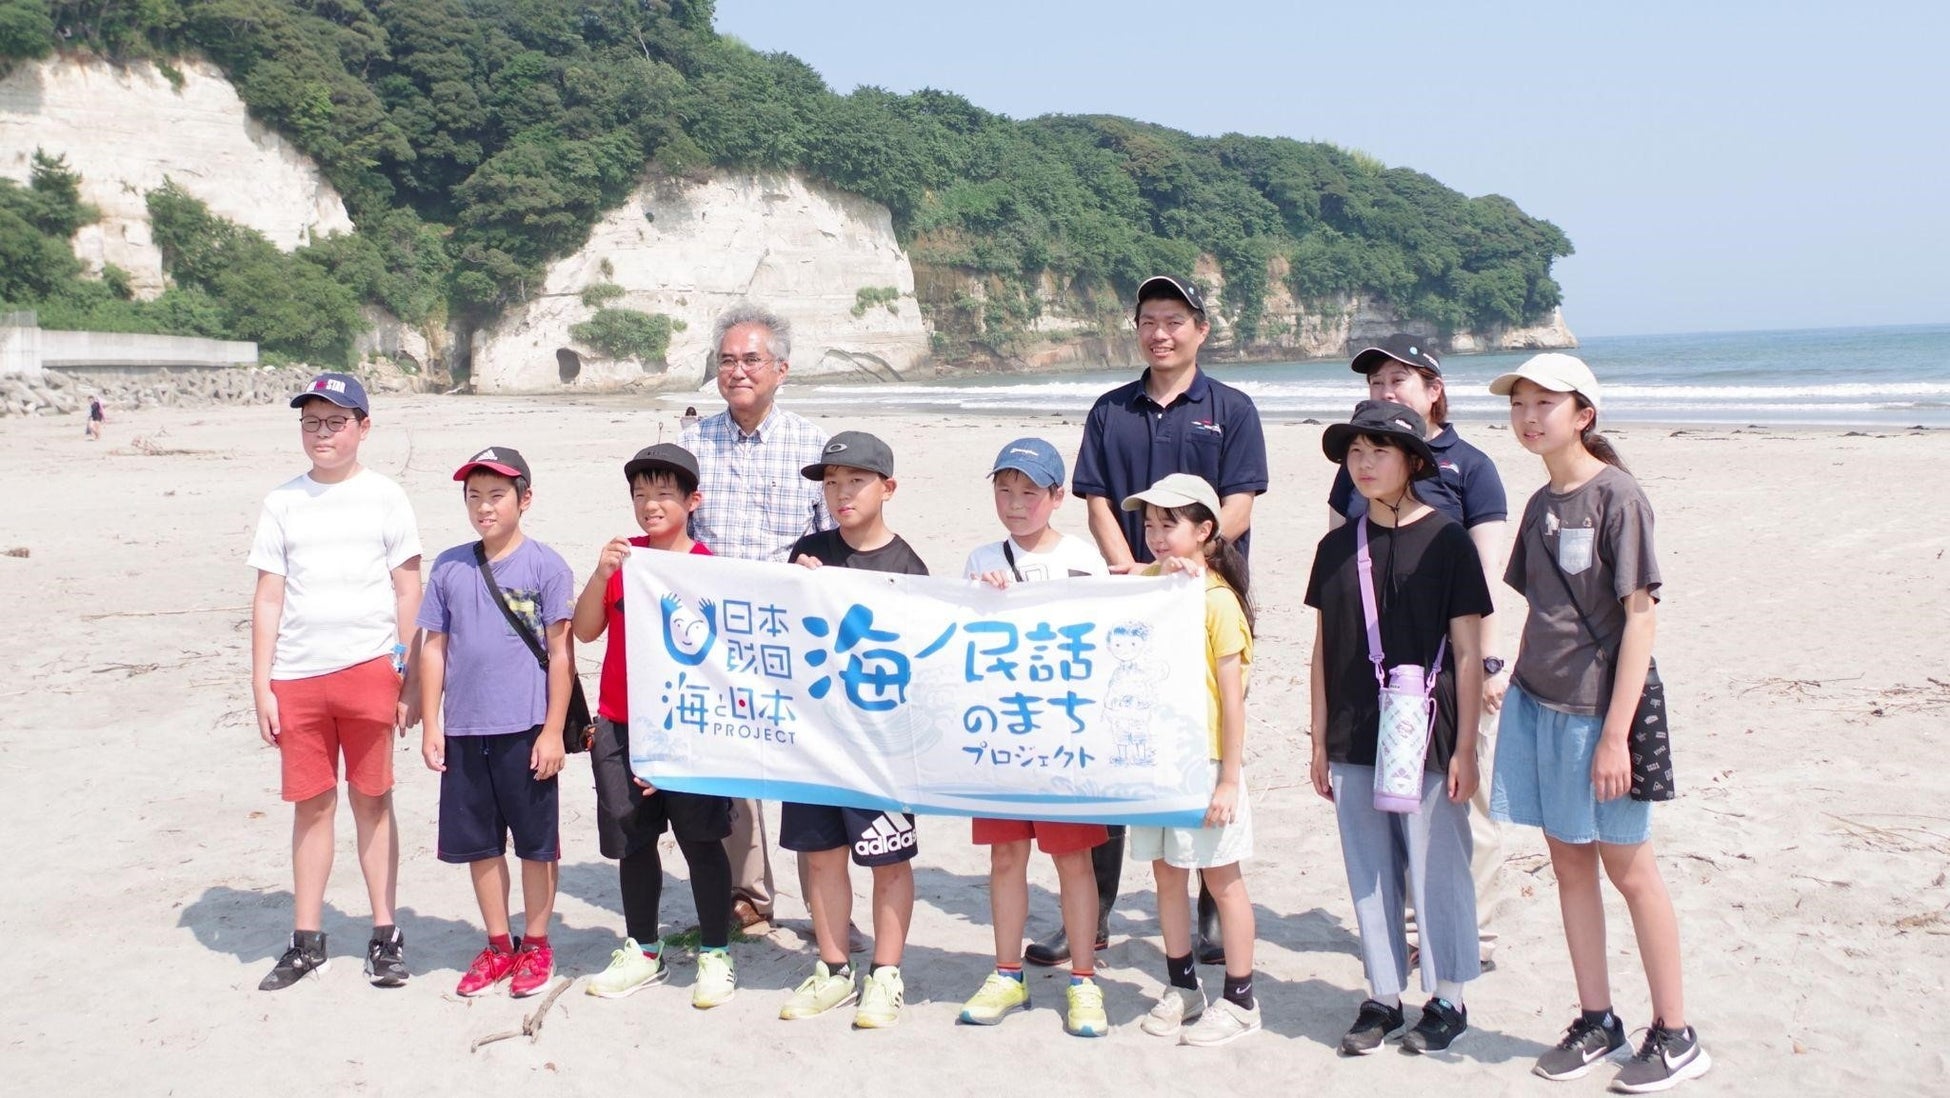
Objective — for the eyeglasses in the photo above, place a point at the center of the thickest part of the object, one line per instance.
(753, 363)
(331, 425)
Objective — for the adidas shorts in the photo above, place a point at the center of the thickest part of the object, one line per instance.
(876, 838)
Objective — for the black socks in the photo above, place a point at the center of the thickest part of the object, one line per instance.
(1180, 972)
(1239, 990)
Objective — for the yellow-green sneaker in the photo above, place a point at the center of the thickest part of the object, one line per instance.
(819, 993)
(630, 971)
(1086, 1017)
(717, 981)
(997, 998)
(880, 999)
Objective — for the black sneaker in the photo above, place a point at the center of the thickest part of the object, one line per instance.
(1371, 1027)
(386, 957)
(1441, 1024)
(1584, 1044)
(1668, 1057)
(306, 955)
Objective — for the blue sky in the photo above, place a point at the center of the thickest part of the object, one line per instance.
(1718, 165)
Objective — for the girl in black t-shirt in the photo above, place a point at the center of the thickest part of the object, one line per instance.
(1429, 598)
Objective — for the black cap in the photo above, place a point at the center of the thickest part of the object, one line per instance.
(343, 390)
(854, 450)
(1385, 419)
(505, 460)
(1165, 286)
(1407, 349)
(664, 455)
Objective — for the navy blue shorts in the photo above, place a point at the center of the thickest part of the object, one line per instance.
(627, 821)
(876, 838)
(488, 792)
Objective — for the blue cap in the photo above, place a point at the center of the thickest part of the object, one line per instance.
(343, 390)
(1033, 458)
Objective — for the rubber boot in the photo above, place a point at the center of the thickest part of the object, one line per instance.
(1209, 947)
(1107, 862)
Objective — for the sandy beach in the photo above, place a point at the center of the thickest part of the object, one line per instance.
(1803, 638)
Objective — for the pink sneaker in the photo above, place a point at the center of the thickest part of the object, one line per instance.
(490, 967)
(534, 968)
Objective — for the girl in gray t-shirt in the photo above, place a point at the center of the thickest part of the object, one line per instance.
(1584, 547)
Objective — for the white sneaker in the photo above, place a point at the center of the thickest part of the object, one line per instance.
(1225, 1023)
(1175, 1007)
(630, 971)
(717, 981)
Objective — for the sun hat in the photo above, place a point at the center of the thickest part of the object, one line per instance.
(1382, 419)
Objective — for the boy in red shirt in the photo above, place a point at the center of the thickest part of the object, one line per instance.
(630, 815)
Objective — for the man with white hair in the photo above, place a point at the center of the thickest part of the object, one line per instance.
(756, 504)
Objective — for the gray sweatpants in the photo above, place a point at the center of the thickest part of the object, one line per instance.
(1429, 848)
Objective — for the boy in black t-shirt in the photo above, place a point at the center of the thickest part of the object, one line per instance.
(858, 472)
(1422, 584)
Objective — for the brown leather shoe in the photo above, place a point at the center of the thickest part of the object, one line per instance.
(747, 918)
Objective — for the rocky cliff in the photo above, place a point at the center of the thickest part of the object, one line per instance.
(127, 128)
(689, 249)
(1082, 326)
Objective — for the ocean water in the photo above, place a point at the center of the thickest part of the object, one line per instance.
(1868, 377)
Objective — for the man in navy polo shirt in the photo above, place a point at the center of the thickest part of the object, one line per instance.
(1173, 419)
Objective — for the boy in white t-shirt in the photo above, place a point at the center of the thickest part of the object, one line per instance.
(1028, 486)
(338, 588)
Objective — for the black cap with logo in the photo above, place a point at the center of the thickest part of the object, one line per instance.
(664, 455)
(1165, 286)
(1407, 349)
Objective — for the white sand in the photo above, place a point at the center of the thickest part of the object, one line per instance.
(148, 888)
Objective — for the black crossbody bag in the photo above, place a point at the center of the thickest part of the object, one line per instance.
(578, 731)
(1650, 740)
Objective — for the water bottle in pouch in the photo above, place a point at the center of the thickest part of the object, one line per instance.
(1407, 717)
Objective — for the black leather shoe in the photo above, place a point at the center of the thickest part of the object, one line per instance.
(1051, 951)
(1210, 947)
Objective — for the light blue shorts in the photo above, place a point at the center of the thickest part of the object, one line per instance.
(1543, 777)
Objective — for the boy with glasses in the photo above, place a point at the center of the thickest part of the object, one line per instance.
(337, 555)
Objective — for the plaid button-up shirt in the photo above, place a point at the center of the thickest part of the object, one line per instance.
(756, 503)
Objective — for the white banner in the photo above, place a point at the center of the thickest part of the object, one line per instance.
(1076, 699)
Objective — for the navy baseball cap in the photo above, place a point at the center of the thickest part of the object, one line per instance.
(1165, 286)
(505, 460)
(343, 390)
(1033, 458)
(1406, 349)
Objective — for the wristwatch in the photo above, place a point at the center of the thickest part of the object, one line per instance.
(1493, 666)
(399, 659)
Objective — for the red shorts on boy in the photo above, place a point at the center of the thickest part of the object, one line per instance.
(347, 712)
(1051, 838)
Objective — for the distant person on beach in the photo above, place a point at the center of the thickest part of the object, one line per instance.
(631, 816)
(1466, 487)
(1027, 485)
(337, 555)
(1566, 760)
(96, 417)
(755, 506)
(856, 474)
(1173, 419)
(690, 416)
(1183, 530)
(1401, 591)
(495, 717)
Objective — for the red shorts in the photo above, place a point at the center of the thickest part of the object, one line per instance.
(350, 712)
(1051, 838)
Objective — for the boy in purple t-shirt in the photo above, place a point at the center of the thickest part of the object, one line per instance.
(497, 743)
